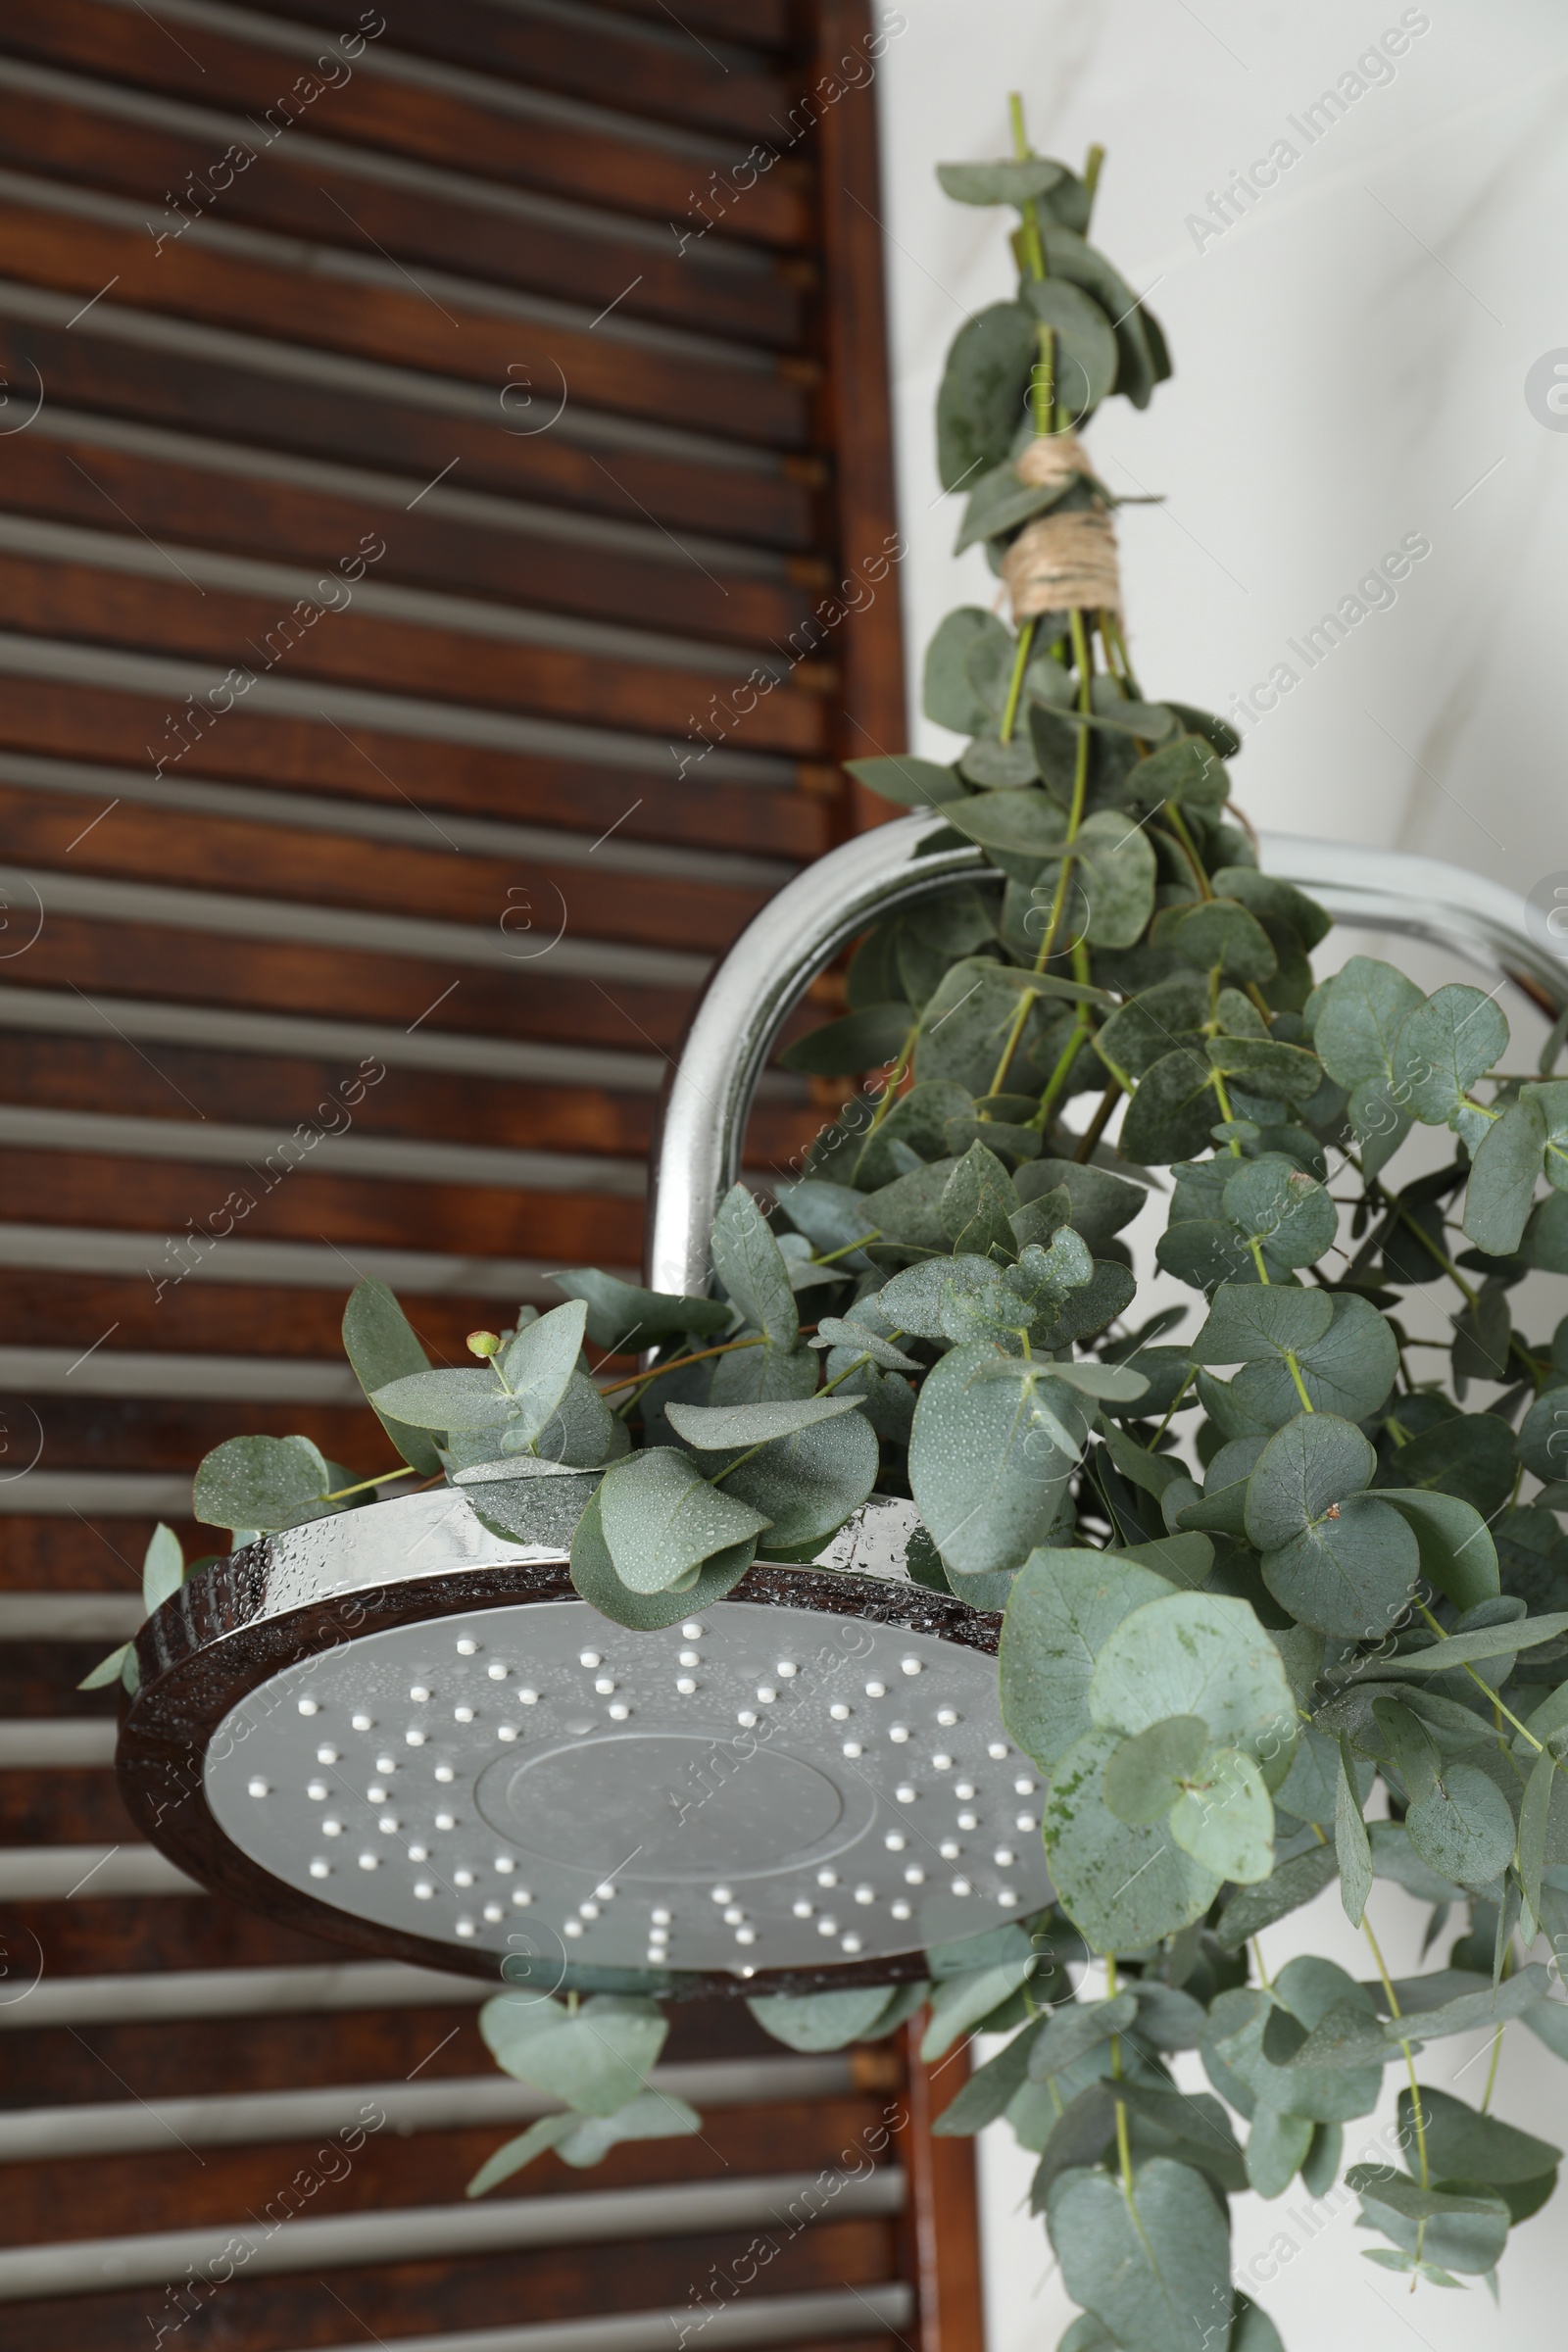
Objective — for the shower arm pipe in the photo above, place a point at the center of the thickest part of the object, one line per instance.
(900, 865)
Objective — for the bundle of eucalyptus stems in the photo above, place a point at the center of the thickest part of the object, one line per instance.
(1282, 1575)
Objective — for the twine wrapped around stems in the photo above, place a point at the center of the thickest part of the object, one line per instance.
(1060, 561)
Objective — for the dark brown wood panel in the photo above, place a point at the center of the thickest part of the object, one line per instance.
(773, 505)
(73, 1073)
(765, 404)
(74, 1555)
(753, 299)
(533, 896)
(655, 73)
(763, 24)
(95, 2196)
(61, 1807)
(279, 2315)
(86, 483)
(305, 636)
(202, 967)
(599, 167)
(158, 1197)
(314, 2050)
(373, 763)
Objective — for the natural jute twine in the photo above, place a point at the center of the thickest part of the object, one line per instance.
(1060, 561)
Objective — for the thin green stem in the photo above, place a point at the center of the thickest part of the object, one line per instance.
(1418, 2112)
(844, 1247)
(386, 1478)
(1043, 383)
(1188, 850)
(1507, 1713)
(894, 1079)
(1172, 1415)
(1063, 1071)
(641, 1380)
(1093, 163)
(1098, 1124)
(1033, 242)
(1020, 663)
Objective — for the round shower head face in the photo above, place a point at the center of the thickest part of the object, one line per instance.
(805, 1783)
(764, 1787)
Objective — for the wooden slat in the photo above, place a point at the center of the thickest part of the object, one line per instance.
(159, 1197)
(536, 898)
(103, 2197)
(61, 1807)
(72, 1310)
(659, 73)
(73, 1073)
(353, 648)
(198, 278)
(298, 190)
(280, 2315)
(594, 162)
(372, 763)
(70, 1556)
(198, 967)
(82, 481)
(763, 22)
(631, 481)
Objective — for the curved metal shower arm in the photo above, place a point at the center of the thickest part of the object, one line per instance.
(697, 1154)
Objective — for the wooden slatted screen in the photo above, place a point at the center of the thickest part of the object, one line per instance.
(430, 455)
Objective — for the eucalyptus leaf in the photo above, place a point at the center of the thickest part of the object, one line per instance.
(662, 1518)
(1062, 1608)
(382, 1345)
(748, 1262)
(1143, 2261)
(1124, 1886)
(264, 1483)
(595, 2057)
(992, 1447)
(597, 1581)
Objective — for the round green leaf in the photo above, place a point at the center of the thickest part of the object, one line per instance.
(1000, 183)
(1144, 1776)
(862, 1040)
(595, 2059)
(1145, 2264)
(750, 1265)
(1124, 1886)
(991, 1451)
(593, 1574)
(1197, 1653)
(1349, 1576)
(1315, 1461)
(662, 1518)
(1464, 1829)
(1282, 1207)
(382, 1345)
(912, 783)
(264, 1483)
(1225, 1819)
(806, 1484)
(621, 1315)
(1444, 1046)
(1061, 1607)
(1349, 1370)
(821, 2021)
(981, 401)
